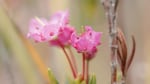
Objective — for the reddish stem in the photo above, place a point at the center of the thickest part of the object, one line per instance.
(83, 66)
(73, 60)
(70, 63)
(87, 71)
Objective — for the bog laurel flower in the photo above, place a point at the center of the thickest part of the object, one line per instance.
(63, 36)
(56, 31)
(87, 42)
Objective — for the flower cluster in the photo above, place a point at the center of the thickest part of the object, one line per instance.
(57, 31)
(87, 42)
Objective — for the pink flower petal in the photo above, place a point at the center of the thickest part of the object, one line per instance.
(60, 18)
(50, 32)
(35, 29)
(42, 30)
(64, 36)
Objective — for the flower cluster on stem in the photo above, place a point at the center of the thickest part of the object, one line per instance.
(58, 32)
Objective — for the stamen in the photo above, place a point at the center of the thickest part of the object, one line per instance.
(39, 21)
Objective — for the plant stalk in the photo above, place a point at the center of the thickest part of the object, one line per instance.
(70, 63)
(110, 7)
(73, 60)
(87, 71)
(83, 66)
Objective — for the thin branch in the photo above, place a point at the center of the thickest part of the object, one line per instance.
(110, 7)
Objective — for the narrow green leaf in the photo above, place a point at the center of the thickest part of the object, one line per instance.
(51, 77)
(93, 79)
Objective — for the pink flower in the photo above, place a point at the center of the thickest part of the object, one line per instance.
(87, 42)
(41, 30)
(60, 18)
(63, 36)
(57, 22)
(35, 29)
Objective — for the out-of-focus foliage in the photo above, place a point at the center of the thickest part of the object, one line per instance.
(15, 45)
(92, 79)
(52, 78)
(21, 50)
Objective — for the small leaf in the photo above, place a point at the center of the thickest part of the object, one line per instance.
(51, 77)
(132, 54)
(78, 81)
(75, 81)
(93, 79)
(70, 81)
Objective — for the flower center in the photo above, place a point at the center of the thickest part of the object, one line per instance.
(51, 33)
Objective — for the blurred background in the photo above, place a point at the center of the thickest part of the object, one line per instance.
(22, 61)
